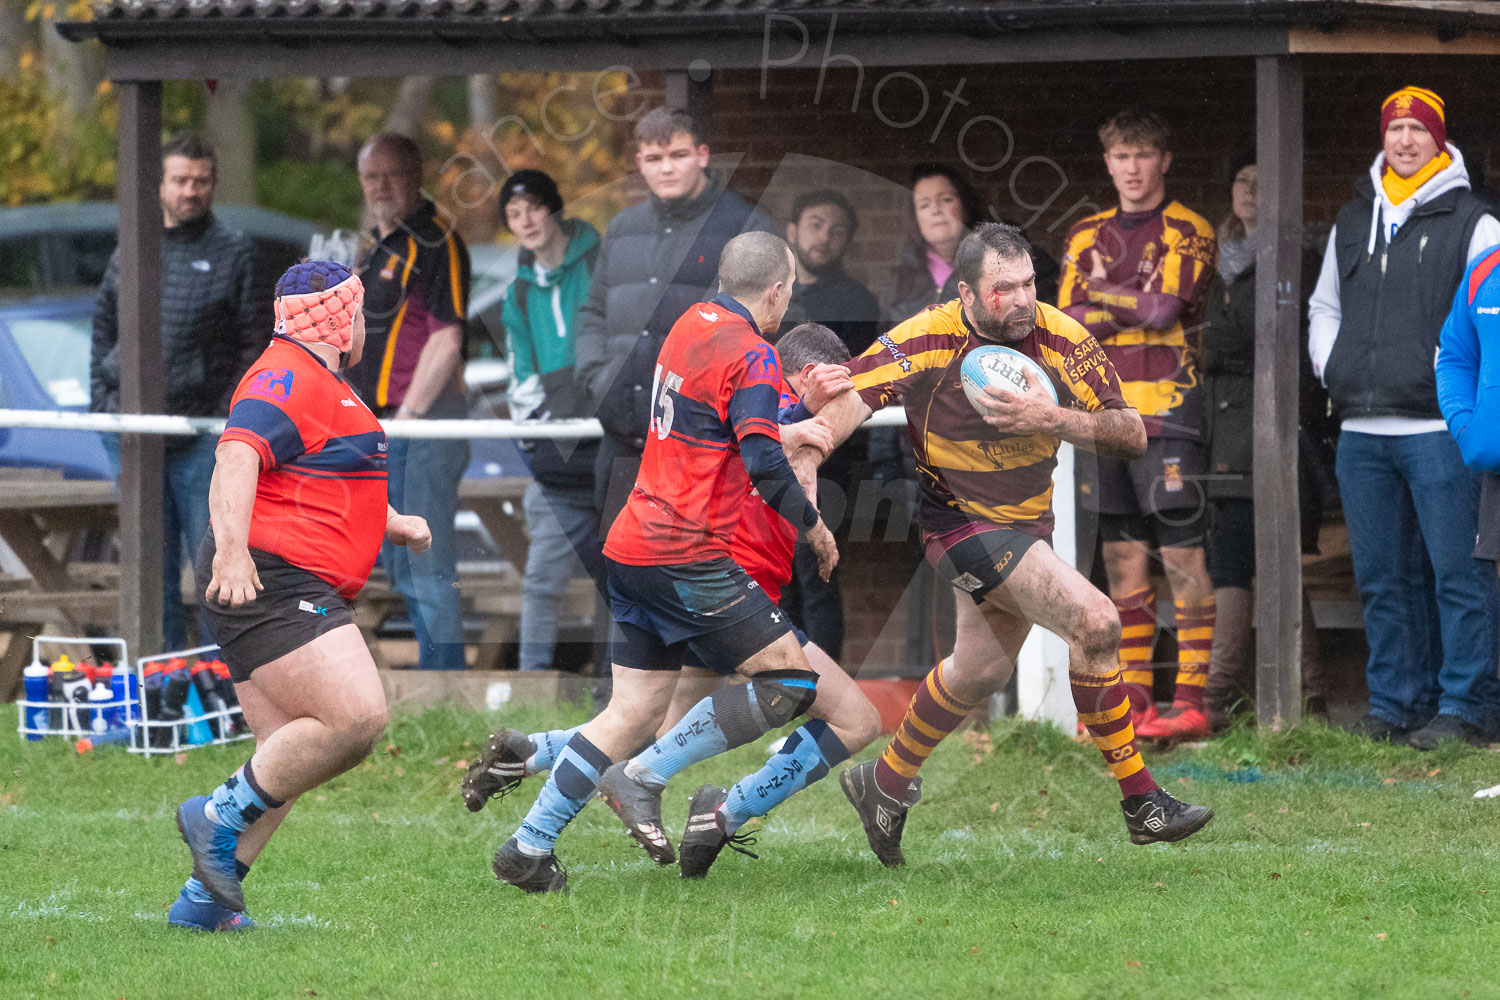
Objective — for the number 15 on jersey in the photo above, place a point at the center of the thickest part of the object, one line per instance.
(663, 386)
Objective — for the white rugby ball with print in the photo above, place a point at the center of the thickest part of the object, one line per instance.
(1002, 368)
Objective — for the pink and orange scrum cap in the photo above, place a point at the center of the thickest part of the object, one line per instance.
(317, 302)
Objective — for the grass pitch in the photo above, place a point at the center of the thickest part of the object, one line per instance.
(1332, 869)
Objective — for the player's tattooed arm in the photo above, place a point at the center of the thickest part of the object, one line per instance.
(1105, 432)
(1119, 433)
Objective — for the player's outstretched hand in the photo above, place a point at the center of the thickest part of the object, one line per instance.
(409, 530)
(824, 547)
(823, 383)
(813, 433)
(1031, 412)
(235, 580)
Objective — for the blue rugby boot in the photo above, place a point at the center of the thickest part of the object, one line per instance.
(192, 915)
(213, 847)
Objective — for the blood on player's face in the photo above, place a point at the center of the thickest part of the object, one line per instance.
(1003, 307)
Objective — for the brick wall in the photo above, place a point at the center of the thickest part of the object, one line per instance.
(795, 137)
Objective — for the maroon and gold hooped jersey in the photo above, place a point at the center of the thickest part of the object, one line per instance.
(1170, 250)
(967, 470)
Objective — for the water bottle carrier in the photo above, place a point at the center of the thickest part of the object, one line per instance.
(135, 723)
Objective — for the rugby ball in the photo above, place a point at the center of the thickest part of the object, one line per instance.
(1002, 368)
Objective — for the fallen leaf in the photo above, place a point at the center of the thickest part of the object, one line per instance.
(462, 765)
(1160, 885)
(974, 950)
(919, 920)
(51, 941)
(1434, 772)
(1381, 935)
(1182, 781)
(1389, 781)
(892, 902)
(310, 992)
(1276, 875)
(1282, 811)
(1364, 824)
(1307, 933)
(994, 806)
(393, 749)
(1133, 964)
(180, 758)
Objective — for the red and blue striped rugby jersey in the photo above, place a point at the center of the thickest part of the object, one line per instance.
(320, 501)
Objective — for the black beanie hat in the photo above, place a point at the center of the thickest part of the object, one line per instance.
(530, 184)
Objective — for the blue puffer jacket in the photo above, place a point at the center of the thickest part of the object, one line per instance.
(1468, 364)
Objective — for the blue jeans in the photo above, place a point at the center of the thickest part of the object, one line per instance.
(424, 478)
(187, 472)
(1430, 608)
(563, 528)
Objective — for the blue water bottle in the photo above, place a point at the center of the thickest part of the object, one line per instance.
(124, 695)
(34, 681)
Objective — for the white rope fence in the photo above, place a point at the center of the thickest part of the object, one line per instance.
(531, 430)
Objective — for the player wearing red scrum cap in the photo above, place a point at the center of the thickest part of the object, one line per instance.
(298, 512)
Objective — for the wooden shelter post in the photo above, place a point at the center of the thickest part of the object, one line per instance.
(1278, 306)
(141, 387)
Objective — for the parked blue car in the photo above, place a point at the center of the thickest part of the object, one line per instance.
(44, 365)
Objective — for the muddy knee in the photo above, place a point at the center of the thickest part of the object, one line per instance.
(1097, 629)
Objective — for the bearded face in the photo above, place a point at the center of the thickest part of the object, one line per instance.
(1003, 307)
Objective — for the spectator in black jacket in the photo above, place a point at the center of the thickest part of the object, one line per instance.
(821, 226)
(658, 258)
(819, 232)
(213, 325)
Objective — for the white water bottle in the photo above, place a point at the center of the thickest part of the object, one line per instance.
(100, 693)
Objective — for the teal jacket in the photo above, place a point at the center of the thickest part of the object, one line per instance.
(539, 328)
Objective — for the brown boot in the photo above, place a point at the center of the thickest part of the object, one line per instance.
(1231, 672)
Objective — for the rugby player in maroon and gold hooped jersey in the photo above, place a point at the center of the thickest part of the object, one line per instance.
(986, 501)
(298, 511)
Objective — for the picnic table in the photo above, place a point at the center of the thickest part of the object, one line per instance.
(42, 517)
